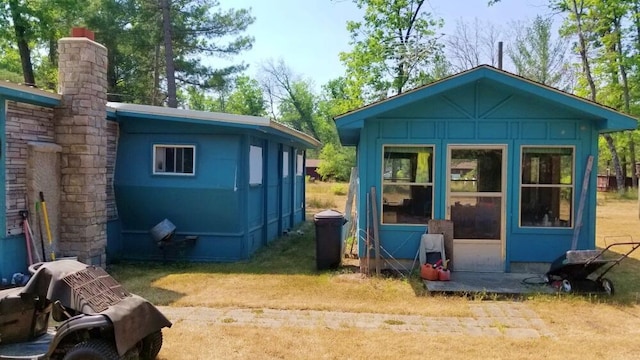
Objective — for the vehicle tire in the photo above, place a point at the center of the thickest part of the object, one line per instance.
(151, 345)
(94, 349)
(607, 286)
(566, 286)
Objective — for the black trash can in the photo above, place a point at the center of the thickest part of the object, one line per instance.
(328, 239)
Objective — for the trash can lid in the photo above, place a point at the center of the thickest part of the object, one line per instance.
(328, 214)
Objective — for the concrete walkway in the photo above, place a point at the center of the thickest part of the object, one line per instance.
(499, 319)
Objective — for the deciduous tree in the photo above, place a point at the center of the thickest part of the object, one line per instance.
(393, 47)
(473, 44)
(291, 95)
(536, 55)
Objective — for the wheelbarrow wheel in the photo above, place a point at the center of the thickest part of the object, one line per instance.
(607, 286)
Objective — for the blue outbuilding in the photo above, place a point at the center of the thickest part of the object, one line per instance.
(503, 157)
(110, 172)
(234, 181)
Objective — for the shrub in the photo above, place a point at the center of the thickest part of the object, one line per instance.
(336, 162)
(339, 189)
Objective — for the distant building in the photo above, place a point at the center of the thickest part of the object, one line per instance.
(311, 169)
(609, 182)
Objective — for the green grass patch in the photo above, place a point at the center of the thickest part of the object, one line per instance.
(292, 254)
(627, 194)
(321, 203)
(339, 189)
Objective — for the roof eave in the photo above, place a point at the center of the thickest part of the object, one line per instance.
(29, 95)
(620, 123)
(303, 139)
(410, 96)
(615, 120)
(118, 111)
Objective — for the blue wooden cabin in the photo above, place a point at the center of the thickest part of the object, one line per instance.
(501, 156)
(236, 182)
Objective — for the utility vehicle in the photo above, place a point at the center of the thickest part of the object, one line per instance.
(94, 317)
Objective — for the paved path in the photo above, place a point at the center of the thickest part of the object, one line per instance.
(506, 319)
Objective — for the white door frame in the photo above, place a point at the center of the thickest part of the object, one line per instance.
(473, 245)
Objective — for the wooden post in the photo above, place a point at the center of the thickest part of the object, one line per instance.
(583, 197)
(349, 224)
(365, 267)
(376, 234)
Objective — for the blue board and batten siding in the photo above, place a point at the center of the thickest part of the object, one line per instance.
(231, 217)
(481, 110)
(273, 187)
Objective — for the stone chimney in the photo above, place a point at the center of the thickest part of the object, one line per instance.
(80, 129)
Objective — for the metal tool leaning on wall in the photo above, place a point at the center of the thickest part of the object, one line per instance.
(45, 216)
(32, 250)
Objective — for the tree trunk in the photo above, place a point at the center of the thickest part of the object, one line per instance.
(632, 159)
(577, 12)
(156, 78)
(53, 60)
(400, 80)
(172, 100)
(636, 22)
(627, 100)
(615, 159)
(20, 28)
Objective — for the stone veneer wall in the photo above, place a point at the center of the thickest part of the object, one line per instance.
(80, 129)
(24, 124)
(113, 131)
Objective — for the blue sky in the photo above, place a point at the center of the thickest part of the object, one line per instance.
(309, 34)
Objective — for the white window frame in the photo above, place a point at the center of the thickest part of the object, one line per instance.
(430, 183)
(286, 159)
(571, 186)
(255, 165)
(299, 164)
(174, 146)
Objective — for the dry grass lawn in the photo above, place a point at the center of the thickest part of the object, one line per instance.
(284, 278)
(241, 342)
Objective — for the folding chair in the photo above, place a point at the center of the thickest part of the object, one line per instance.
(431, 248)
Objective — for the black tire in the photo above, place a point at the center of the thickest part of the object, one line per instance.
(607, 286)
(151, 345)
(93, 350)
